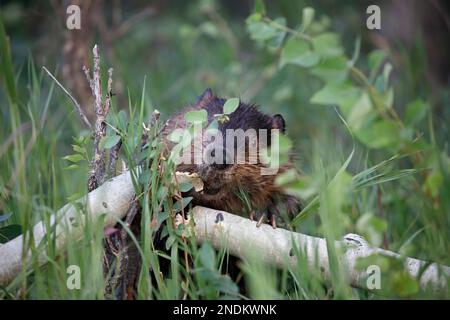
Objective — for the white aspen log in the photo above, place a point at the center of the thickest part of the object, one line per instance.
(276, 247)
(238, 234)
(112, 199)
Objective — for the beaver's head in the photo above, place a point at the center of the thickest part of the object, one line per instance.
(232, 150)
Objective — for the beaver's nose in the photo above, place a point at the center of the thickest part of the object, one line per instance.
(217, 157)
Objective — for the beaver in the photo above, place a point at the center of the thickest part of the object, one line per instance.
(233, 186)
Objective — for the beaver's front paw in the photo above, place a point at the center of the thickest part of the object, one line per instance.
(286, 204)
(263, 216)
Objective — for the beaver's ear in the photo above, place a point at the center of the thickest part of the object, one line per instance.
(278, 122)
(206, 96)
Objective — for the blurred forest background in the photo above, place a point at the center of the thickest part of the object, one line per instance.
(182, 47)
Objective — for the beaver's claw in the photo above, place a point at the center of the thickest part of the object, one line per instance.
(264, 215)
(261, 220)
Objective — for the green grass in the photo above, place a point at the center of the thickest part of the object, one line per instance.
(356, 177)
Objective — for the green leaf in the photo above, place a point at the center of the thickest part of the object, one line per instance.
(78, 149)
(362, 181)
(264, 31)
(230, 105)
(382, 81)
(122, 120)
(336, 93)
(375, 59)
(387, 69)
(360, 113)
(372, 228)
(415, 112)
(5, 216)
(387, 97)
(328, 45)
(253, 18)
(161, 217)
(298, 52)
(185, 186)
(207, 256)
(110, 141)
(259, 7)
(276, 41)
(175, 136)
(209, 29)
(170, 241)
(379, 134)
(72, 167)
(181, 204)
(261, 31)
(10, 232)
(404, 285)
(196, 116)
(74, 158)
(333, 69)
(307, 18)
(433, 183)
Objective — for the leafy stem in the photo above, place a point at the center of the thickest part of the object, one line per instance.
(281, 27)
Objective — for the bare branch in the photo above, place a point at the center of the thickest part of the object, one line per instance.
(97, 173)
(75, 102)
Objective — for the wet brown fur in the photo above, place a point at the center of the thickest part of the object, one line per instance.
(222, 186)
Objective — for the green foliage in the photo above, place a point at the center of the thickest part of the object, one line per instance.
(372, 228)
(211, 283)
(196, 116)
(230, 105)
(80, 156)
(298, 51)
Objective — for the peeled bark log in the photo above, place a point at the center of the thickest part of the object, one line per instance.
(238, 234)
(112, 198)
(276, 247)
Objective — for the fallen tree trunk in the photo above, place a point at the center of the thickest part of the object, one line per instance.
(274, 246)
(112, 199)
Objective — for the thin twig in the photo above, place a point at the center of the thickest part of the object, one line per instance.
(87, 73)
(75, 102)
(109, 93)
